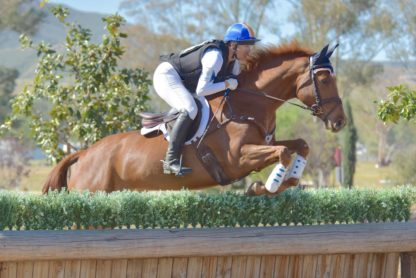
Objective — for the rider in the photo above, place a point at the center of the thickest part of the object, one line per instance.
(204, 69)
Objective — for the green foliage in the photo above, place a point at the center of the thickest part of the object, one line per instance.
(7, 84)
(80, 94)
(400, 103)
(177, 209)
(349, 141)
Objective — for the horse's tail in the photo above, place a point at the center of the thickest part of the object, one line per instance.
(58, 176)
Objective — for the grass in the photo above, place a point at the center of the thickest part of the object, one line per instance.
(39, 170)
(367, 175)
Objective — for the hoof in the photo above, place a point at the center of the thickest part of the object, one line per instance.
(291, 182)
(255, 189)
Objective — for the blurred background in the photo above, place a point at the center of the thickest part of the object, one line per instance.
(377, 50)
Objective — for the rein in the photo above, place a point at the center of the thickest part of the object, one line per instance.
(262, 94)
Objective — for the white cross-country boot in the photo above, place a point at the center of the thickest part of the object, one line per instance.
(297, 168)
(276, 178)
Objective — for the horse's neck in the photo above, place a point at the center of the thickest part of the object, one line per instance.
(281, 81)
(277, 79)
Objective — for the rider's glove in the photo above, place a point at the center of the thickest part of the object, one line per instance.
(231, 83)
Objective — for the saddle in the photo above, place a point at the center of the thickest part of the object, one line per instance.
(154, 123)
(150, 121)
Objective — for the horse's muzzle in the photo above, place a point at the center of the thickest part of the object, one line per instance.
(338, 125)
(335, 126)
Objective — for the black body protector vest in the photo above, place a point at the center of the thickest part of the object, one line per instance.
(189, 67)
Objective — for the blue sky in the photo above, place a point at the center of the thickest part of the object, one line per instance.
(100, 6)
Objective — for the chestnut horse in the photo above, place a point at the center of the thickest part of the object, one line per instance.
(271, 76)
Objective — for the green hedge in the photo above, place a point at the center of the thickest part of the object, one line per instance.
(169, 209)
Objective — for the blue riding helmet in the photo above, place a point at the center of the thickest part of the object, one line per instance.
(240, 33)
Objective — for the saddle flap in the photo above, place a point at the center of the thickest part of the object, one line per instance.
(150, 120)
(163, 122)
(149, 115)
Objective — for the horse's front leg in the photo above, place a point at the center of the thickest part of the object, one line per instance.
(298, 146)
(301, 148)
(259, 156)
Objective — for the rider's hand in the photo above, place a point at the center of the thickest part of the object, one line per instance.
(231, 83)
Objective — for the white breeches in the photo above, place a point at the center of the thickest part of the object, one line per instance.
(168, 85)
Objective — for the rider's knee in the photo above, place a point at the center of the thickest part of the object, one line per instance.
(192, 112)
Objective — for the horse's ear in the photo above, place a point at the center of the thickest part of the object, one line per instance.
(320, 56)
(331, 50)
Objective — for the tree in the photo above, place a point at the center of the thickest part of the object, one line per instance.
(403, 47)
(364, 29)
(400, 103)
(20, 16)
(14, 162)
(199, 20)
(7, 85)
(143, 48)
(349, 148)
(80, 95)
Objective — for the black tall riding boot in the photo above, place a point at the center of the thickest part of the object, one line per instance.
(172, 163)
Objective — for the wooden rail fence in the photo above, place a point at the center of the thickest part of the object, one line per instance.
(359, 250)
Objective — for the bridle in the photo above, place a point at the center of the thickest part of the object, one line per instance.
(317, 107)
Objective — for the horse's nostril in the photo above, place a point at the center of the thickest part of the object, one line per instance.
(339, 124)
